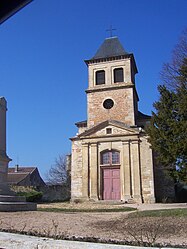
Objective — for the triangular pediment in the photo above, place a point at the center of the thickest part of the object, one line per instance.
(110, 127)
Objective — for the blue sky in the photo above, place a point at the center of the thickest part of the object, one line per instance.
(42, 69)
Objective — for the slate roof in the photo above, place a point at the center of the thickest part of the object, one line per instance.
(81, 123)
(110, 47)
(143, 116)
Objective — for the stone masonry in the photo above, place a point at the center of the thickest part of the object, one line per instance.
(111, 156)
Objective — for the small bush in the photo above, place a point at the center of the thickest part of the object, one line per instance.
(30, 193)
(33, 196)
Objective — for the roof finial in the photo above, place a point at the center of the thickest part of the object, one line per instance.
(110, 30)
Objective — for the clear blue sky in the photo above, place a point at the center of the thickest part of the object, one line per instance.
(42, 71)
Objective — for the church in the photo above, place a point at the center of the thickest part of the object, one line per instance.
(111, 156)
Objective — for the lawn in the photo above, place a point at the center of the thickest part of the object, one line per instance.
(86, 210)
(178, 212)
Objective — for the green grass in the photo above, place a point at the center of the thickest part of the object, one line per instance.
(74, 210)
(178, 212)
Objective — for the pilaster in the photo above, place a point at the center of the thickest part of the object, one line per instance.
(126, 171)
(93, 172)
(136, 174)
(85, 171)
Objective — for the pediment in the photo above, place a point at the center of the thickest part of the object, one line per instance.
(117, 128)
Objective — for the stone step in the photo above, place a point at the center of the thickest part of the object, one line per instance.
(10, 198)
(109, 202)
(131, 201)
(17, 206)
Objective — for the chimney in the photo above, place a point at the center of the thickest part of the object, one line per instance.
(16, 167)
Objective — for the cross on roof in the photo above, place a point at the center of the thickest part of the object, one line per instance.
(110, 30)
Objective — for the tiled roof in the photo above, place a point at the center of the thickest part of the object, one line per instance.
(21, 169)
(15, 177)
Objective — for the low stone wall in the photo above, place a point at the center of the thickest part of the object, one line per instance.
(55, 192)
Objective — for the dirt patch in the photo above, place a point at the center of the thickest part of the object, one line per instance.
(83, 205)
(106, 226)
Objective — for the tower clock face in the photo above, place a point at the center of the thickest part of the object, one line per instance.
(108, 103)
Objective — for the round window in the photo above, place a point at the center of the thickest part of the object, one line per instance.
(108, 103)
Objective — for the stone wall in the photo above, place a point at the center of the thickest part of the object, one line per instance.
(76, 170)
(108, 67)
(136, 166)
(123, 109)
(55, 193)
(147, 178)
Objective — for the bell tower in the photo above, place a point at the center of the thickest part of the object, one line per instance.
(111, 156)
(111, 93)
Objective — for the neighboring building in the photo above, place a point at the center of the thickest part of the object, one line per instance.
(111, 156)
(25, 176)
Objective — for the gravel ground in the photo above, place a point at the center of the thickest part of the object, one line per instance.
(106, 226)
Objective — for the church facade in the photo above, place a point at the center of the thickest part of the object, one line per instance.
(111, 156)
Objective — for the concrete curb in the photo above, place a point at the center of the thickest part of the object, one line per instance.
(18, 241)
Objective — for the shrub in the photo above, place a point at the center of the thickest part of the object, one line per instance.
(32, 196)
(30, 193)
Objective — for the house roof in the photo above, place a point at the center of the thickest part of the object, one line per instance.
(19, 175)
(109, 48)
(10, 7)
(21, 169)
(16, 178)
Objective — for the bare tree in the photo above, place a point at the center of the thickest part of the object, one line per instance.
(170, 73)
(57, 174)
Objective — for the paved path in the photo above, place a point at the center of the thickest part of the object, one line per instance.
(17, 241)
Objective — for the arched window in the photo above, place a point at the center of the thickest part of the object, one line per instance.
(110, 157)
(100, 77)
(118, 75)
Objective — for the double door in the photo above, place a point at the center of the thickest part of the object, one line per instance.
(111, 184)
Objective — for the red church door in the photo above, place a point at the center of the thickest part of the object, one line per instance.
(111, 184)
